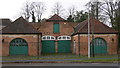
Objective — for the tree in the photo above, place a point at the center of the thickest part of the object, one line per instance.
(81, 16)
(26, 10)
(33, 17)
(78, 17)
(72, 10)
(70, 18)
(95, 10)
(34, 10)
(110, 11)
(71, 14)
(57, 9)
(39, 9)
(117, 11)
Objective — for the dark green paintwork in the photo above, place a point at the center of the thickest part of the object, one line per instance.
(64, 46)
(18, 46)
(56, 28)
(48, 46)
(100, 46)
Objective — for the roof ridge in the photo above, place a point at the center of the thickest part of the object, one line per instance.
(83, 25)
(11, 23)
(56, 17)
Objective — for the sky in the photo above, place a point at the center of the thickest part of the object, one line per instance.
(11, 8)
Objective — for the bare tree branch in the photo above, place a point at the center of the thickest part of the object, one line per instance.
(58, 9)
(26, 10)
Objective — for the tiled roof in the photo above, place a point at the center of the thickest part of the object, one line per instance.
(19, 26)
(5, 22)
(36, 25)
(98, 26)
(73, 24)
(55, 18)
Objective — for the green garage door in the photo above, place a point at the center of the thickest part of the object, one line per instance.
(48, 44)
(100, 46)
(64, 44)
(18, 46)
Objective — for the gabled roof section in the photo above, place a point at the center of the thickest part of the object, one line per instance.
(99, 27)
(20, 26)
(55, 18)
(5, 22)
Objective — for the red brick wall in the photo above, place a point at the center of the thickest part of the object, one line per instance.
(32, 41)
(75, 38)
(47, 29)
(111, 45)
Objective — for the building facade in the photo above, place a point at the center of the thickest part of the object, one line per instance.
(103, 39)
(55, 35)
(20, 38)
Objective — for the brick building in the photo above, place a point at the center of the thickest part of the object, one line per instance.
(55, 35)
(20, 38)
(105, 38)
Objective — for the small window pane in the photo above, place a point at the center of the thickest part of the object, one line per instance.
(64, 37)
(60, 38)
(48, 37)
(68, 37)
(44, 37)
(52, 37)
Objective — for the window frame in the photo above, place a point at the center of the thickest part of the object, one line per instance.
(62, 38)
(46, 37)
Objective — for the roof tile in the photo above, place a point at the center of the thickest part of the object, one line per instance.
(19, 26)
(98, 26)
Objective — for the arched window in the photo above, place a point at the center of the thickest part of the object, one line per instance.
(47, 37)
(64, 38)
(18, 42)
(99, 45)
(99, 41)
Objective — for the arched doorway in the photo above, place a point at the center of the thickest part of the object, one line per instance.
(100, 46)
(64, 44)
(48, 44)
(18, 46)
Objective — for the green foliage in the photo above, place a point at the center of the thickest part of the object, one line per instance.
(70, 19)
(78, 17)
(81, 16)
